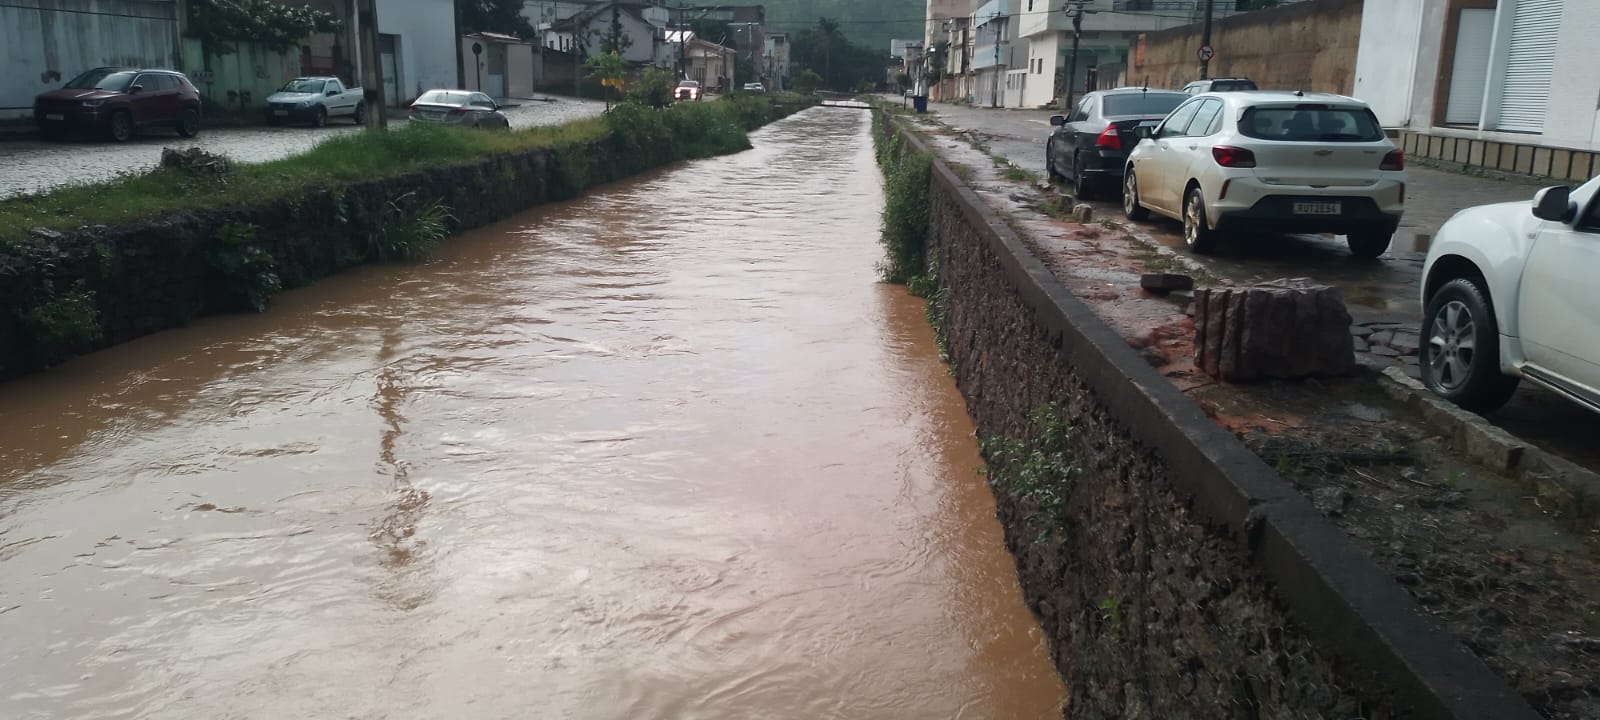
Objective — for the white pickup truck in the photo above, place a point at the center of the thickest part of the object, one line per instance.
(314, 100)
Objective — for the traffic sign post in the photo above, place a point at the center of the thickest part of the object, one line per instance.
(1206, 53)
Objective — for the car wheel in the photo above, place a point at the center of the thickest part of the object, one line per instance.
(1050, 162)
(360, 115)
(320, 118)
(121, 126)
(1081, 186)
(1130, 197)
(189, 126)
(1461, 348)
(1197, 234)
(1368, 245)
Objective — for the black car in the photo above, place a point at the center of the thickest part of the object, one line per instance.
(1091, 145)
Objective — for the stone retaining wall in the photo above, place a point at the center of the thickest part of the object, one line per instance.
(1190, 581)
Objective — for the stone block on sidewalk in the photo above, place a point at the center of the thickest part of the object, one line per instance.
(1163, 283)
(1277, 331)
(1084, 214)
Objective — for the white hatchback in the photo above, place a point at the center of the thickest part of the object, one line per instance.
(1286, 162)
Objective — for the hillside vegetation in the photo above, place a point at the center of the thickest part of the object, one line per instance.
(871, 23)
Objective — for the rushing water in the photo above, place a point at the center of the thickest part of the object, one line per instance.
(665, 452)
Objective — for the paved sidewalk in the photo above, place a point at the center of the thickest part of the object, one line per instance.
(1383, 296)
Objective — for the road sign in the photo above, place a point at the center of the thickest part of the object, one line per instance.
(1206, 53)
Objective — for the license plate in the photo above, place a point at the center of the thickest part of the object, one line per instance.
(280, 112)
(434, 115)
(55, 116)
(1317, 208)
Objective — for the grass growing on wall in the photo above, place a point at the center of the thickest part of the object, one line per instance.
(908, 175)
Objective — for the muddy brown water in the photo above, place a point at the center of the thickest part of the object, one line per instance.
(668, 452)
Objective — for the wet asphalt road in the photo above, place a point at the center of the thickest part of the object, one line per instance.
(32, 165)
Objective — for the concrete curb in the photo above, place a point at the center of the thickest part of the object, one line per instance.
(1349, 606)
(1561, 487)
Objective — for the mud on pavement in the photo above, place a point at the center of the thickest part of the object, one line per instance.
(1517, 586)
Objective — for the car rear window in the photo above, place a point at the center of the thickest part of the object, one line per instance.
(689, 84)
(1303, 123)
(1232, 85)
(442, 97)
(1152, 104)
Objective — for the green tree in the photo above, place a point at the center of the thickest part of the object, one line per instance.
(654, 88)
(499, 16)
(220, 25)
(807, 81)
(611, 69)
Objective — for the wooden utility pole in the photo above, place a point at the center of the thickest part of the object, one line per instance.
(372, 58)
(1205, 40)
(1075, 9)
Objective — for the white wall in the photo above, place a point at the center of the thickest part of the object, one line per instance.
(1571, 120)
(1386, 61)
(43, 49)
(427, 43)
(1041, 86)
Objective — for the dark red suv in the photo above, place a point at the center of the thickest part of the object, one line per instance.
(120, 102)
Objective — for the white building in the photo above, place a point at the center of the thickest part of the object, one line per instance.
(994, 54)
(776, 65)
(417, 43)
(1513, 72)
(643, 25)
(1109, 28)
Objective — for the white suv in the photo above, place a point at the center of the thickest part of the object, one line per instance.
(1278, 161)
(1509, 293)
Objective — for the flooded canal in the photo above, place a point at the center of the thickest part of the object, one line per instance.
(665, 452)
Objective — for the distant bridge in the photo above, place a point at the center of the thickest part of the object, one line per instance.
(849, 104)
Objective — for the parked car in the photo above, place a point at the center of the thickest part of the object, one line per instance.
(1233, 84)
(1274, 161)
(1087, 146)
(315, 99)
(688, 90)
(755, 87)
(120, 102)
(1508, 292)
(463, 108)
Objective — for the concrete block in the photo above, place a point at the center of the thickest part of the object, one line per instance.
(1083, 214)
(1475, 153)
(1458, 150)
(1524, 165)
(1505, 156)
(1435, 147)
(1163, 283)
(1582, 167)
(1560, 163)
(1541, 162)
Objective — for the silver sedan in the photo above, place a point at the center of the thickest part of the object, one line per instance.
(462, 108)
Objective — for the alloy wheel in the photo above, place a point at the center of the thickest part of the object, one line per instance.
(1192, 220)
(1452, 344)
(1130, 193)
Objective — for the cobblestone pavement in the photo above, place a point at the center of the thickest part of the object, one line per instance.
(33, 165)
(1382, 295)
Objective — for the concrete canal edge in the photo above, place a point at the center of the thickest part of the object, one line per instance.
(111, 284)
(1192, 580)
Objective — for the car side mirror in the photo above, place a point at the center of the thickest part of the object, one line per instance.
(1555, 204)
(332, 93)
(1058, 120)
(136, 88)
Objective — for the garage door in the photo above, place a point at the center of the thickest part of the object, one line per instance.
(1469, 71)
(1530, 61)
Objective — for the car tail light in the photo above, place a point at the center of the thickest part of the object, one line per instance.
(1232, 157)
(1109, 138)
(1395, 160)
